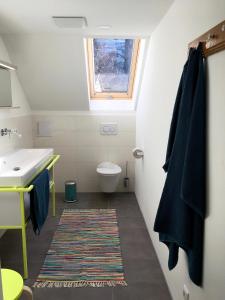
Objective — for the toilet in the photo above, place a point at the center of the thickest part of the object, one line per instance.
(109, 174)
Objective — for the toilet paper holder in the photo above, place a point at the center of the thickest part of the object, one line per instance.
(138, 153)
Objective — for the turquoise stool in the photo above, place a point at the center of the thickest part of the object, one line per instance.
(12, 285)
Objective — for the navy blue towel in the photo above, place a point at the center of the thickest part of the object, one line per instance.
(180, 217)
(39, 201)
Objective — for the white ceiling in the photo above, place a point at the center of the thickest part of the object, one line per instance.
(132, 17)
(51, 60)
(51, 69)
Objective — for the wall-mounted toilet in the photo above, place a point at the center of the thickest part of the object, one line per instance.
(109, 174)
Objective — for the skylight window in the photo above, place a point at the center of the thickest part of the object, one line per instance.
(112, 65)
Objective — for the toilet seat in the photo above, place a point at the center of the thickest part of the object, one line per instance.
(108, 168)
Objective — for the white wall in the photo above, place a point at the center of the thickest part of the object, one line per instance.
(75, 134)
(167, 53)
(15, 118)
(76, 137)
(24, 126)
(52, 70)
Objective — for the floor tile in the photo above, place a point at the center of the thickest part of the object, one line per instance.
(142, 291)
(142, 270)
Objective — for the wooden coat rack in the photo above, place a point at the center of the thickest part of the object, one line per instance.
(213, 40)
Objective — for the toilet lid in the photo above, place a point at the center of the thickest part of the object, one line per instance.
(108, 168)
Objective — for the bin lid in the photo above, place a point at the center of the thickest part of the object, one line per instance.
(70, 182)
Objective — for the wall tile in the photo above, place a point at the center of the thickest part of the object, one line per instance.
(91, 154)
(77, 139)
(120, 153)
(24, 126)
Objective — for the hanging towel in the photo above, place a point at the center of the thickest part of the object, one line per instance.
(180, 216)
(39, 201)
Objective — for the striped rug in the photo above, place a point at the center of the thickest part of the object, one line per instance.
(85, 251)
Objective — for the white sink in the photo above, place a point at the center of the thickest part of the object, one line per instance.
(18, 167)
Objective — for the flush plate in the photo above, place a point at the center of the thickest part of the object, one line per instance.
(108, 128)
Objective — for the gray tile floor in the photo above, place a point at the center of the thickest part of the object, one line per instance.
(142, 271)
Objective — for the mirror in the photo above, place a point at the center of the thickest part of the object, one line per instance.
(5, 88)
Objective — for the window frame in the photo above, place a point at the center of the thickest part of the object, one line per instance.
(112, 95)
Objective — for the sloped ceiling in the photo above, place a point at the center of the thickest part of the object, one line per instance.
(51, 60)
(51, 69)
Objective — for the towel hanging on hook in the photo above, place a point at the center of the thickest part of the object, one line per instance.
(180, 217)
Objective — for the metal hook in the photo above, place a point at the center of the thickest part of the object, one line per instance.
(209, 42)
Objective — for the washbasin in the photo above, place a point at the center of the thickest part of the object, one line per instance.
(18, 167)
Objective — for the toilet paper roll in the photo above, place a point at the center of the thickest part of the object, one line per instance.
(138, 153)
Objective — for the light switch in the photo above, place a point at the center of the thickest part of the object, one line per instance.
(108, 128)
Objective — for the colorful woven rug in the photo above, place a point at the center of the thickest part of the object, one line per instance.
(85, 251)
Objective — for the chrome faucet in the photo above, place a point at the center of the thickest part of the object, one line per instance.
(9, 132)
(4, 131)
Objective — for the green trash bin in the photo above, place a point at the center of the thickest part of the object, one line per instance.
(70, 191)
